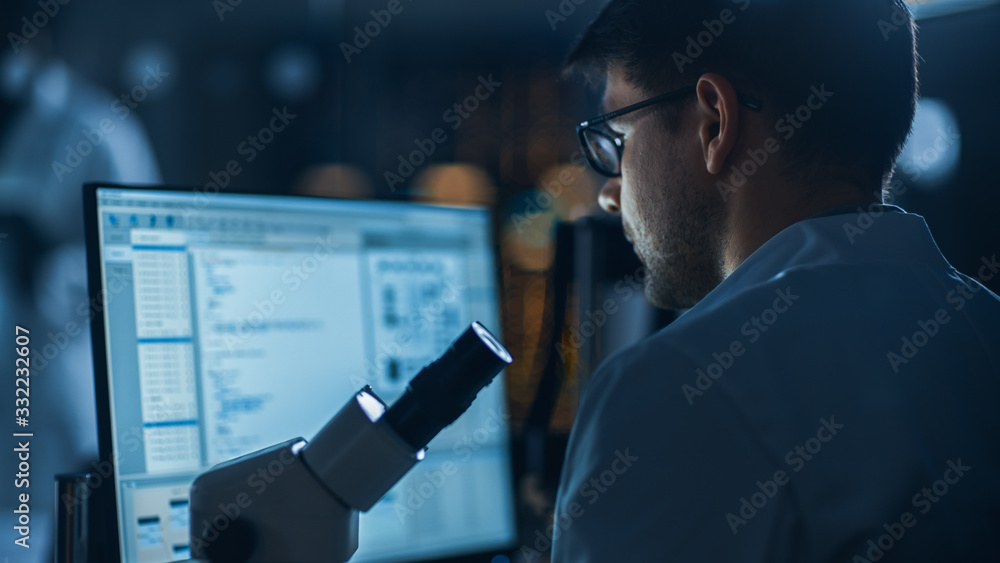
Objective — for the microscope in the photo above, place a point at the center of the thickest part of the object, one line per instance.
(298, 501)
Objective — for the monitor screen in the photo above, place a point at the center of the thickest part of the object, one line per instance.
(231, 322)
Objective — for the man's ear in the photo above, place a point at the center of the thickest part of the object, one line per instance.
(718, 110)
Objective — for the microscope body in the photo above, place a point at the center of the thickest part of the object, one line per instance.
(298, 502)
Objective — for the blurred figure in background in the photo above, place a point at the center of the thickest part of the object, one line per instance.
(57, 131)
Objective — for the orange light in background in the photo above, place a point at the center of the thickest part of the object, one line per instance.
(527, 239)
(573, 189)
(335, 180)
(455, 184)
(565, 192)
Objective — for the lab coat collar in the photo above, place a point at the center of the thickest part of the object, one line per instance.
(877, 234)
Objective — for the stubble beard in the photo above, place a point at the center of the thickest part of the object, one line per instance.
(682, 252)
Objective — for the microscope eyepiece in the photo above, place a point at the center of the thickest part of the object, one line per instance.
(446, 387)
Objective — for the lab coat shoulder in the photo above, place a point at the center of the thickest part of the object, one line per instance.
(643, 462)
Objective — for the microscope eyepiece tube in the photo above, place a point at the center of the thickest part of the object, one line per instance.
(446, 387)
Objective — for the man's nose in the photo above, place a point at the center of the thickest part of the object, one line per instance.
(609, 196)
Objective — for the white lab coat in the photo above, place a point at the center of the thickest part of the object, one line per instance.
(860, 406)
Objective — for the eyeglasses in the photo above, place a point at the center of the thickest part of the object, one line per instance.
(603, 147)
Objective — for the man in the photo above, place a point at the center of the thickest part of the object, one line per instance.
(829, 396)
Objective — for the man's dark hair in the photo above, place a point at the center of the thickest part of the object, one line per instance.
(777, 50)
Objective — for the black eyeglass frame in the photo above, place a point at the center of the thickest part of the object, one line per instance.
(619, 143)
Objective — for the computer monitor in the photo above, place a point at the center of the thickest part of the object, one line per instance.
(224, 323)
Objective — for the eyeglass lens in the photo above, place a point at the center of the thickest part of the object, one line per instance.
(603, 149)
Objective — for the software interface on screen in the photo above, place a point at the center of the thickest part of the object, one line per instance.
(234, 322)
